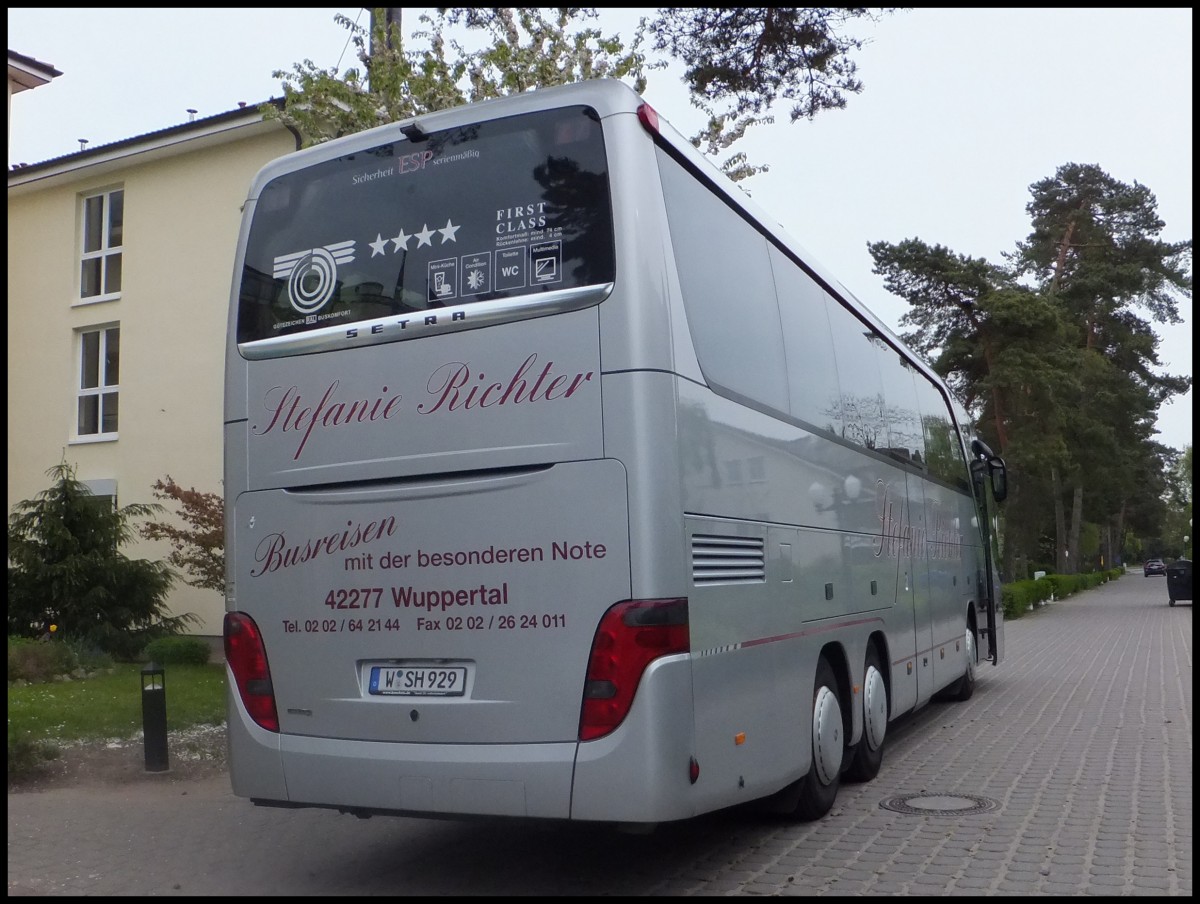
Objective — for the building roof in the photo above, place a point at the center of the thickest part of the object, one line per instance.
(246, 121)
(25, 72)
(196, 127)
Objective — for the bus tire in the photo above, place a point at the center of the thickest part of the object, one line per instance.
(868, 752)
(962, 690)
(819, 788)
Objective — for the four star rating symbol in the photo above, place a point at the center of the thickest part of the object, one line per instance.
(441, 273)
(424, 237)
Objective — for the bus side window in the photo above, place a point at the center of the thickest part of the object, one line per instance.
(906, 439)
(728, 293)
(943, 451)
(808, 345)
(860, 398)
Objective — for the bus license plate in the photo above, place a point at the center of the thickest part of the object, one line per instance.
(435, 681)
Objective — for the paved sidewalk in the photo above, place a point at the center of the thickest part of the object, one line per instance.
(1082, 740)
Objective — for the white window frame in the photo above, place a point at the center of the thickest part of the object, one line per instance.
(104, 486)
(107, 251)
(103, 490)
(101, 388)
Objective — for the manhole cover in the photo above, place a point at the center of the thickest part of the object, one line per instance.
(939, 804)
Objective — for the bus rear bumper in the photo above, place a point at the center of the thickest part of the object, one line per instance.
(636, 775)
(288, 770)
(376, 777)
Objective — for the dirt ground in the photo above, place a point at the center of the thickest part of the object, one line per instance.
(192, 754)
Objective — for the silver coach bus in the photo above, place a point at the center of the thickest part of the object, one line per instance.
(561, 484)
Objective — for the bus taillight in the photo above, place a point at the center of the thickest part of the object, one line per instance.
(247, 658)
(648, 118)
(631, 635)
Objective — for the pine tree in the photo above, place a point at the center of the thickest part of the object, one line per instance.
(65, 567)
(1055, 358)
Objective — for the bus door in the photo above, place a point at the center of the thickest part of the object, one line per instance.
(915, 591)
(989, 477)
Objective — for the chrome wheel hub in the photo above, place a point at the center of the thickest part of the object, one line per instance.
(874, 708)
(827, 736)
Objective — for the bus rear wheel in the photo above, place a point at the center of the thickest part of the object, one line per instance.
(819, 788)
(868, 752)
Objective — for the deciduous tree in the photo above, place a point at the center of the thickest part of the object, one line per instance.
(199, 543)
(738, 64)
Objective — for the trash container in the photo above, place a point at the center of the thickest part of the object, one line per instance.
(1179, 580)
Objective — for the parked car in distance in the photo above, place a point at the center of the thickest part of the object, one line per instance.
(1154, 566)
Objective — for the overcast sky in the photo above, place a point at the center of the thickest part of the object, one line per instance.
(961, 112)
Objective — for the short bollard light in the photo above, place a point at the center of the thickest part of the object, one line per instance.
(154, 717)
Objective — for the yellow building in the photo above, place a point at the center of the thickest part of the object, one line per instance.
(120, 262)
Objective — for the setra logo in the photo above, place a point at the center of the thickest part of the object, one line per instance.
(312, 275)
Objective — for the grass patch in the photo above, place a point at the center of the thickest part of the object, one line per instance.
(109, 705)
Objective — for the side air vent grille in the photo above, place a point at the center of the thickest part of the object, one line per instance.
(727, 560)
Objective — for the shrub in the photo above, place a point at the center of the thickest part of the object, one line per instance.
(1063, 584)
(1012, 599)
(1018, 596)
(89, 656)
(178, 651)
(25, 754)
(39, 660)
(1043, 589)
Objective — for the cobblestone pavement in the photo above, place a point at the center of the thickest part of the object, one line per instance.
(1080, 743)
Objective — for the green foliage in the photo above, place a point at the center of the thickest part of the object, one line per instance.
(26, 754)
(1018, 597)
(752, 57)
(739, 63)
(105, 706)
(1067, 584)
(178, 651)
(199, 545)
(528, 50)
(42, 660)
(109, 704)
(66, 569)
(39, 660)
(89, 657)
(1054, 354)
(1176, 531)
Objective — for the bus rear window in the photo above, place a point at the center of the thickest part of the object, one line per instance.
(500, 209)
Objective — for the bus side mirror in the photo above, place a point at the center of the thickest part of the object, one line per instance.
(995, 465)
(999, 474)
